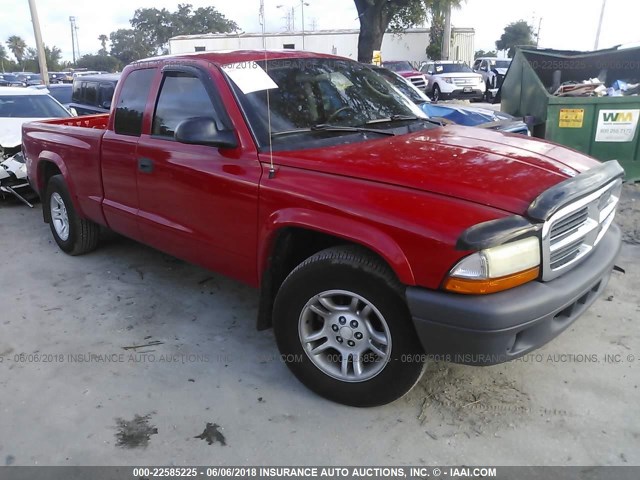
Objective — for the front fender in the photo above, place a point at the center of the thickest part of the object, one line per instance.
(337, 226)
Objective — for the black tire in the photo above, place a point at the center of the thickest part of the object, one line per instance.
(352, 269)
(435, 93)
(83, 234)
(487, 93)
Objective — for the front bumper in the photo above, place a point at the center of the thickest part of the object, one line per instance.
(496, 328)
(459, 93)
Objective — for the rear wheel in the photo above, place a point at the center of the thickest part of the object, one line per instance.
(344, 329)
(74, 235)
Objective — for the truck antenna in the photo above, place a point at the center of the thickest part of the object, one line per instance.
(272, 169)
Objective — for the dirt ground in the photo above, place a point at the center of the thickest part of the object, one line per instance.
(129, 357)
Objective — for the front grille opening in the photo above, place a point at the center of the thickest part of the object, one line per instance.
(565, 313)
(583, 299)
(566, 254)
(569, 224)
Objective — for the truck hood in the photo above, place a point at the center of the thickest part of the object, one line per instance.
(409, 73)
(11, 131)
(499, 170)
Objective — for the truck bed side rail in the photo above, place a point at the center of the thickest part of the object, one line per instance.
(90, 121)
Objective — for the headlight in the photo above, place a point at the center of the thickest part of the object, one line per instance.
(497, 268)
(448, 79)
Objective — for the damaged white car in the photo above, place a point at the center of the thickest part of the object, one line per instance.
(18, 106)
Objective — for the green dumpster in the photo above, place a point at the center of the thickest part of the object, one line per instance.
(605, 127)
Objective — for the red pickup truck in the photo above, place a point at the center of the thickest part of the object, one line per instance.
(377, 237)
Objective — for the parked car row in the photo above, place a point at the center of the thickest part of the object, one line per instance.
(454, 113)
(450, 79)
(27, 79)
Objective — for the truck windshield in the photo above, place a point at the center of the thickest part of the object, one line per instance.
(398, 66)
(310, 95)
(31, 106)
(500, 63)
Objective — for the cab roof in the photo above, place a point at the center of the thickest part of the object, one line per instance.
(225, 57)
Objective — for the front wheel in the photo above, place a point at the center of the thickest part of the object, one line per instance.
(487, 93)
(435, 95)
(73, 234)
(344, 329)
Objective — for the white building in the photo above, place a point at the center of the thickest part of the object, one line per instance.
(410, 45)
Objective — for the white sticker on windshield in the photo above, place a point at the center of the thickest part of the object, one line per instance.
(439, 68)
(340, 81)
(249, 77)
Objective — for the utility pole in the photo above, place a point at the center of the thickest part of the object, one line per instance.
(72, 20)
(604, 4)
(446, 37)
(302, 13)
(262, 24)
(42, 59)
(538, 34)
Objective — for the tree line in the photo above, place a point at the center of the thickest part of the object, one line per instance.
(26, 57)
(151, 29)
(380, 16)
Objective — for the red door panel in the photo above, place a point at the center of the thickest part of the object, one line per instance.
(200, 205)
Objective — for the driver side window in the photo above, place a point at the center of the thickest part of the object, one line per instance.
(182, 96)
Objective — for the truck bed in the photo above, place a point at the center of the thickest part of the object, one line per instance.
(73, 145)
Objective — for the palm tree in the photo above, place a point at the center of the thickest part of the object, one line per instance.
(103, 41)
(437, 12)
(17, 46)
(3, 56)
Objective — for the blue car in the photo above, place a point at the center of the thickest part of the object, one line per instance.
(468, 116)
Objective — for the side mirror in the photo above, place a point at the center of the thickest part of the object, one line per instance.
(429, 72)
(106, 104)
(204, 131)
(73, 111)
(484, 69)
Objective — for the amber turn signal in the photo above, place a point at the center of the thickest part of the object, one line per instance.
(490, 285)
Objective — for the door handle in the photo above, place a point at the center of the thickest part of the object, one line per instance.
(145, 165)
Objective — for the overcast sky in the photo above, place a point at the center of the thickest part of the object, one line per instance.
(565, 24)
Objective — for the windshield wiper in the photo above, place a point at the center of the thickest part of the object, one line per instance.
(403, 118)
(325, 127)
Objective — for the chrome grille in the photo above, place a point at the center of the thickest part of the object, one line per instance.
(465, 81)
(566, 254)
(569, 224)
(572, 232)
(418, 81)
